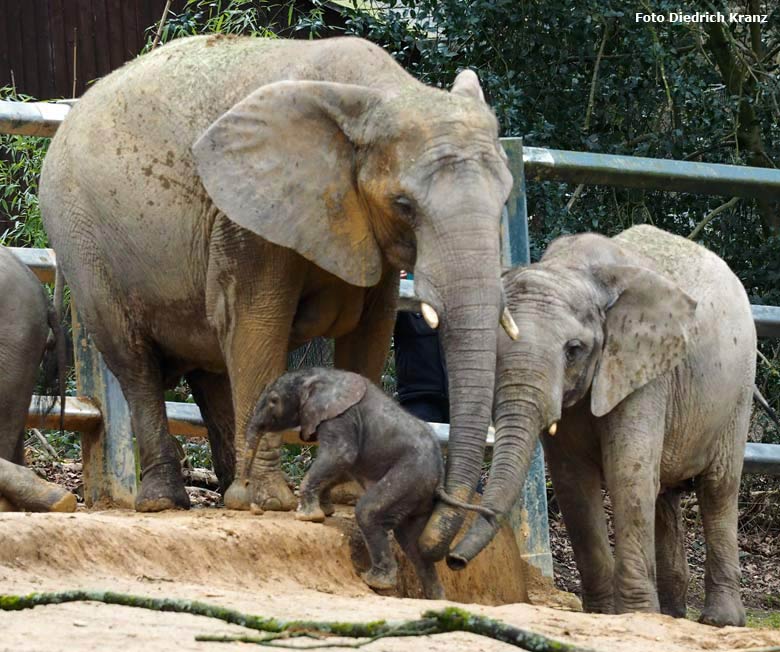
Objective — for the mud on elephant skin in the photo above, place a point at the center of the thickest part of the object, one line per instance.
(221, 200)
(636, 363)
(365, 436)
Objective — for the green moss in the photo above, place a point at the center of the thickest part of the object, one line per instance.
(763, 619)
(10, 603)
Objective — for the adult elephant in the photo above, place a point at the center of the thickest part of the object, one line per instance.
(221, 200)
(636, 362)
(30, 337)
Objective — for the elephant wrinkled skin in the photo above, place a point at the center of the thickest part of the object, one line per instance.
(25, 327)
(636, 363)
(220, 200)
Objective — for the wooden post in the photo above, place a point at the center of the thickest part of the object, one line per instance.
(528, 516)
(107, 450)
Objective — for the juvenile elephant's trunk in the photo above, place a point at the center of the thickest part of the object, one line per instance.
(252, 442)
(471, 302)
(519, 417)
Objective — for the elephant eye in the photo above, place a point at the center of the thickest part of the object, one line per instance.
(572, 350)
(404, 206)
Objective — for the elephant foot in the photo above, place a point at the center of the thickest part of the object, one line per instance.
(722, 609)
(674, 609)
(346, 493)
(379, 579)
(7, 506)
(327, 507)
(312, 515)
(433, 591)
(600, 605)
(269, 492)
(162, 488)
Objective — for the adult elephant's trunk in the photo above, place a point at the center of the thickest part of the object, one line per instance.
(520, 413)
(463, 285)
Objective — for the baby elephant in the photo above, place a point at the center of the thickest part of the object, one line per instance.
(366, 436)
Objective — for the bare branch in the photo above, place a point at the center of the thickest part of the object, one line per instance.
(158, 35)
(711, 216)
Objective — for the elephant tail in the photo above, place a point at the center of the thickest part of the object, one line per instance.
(55, 356)
(443, 496)
(758, 397)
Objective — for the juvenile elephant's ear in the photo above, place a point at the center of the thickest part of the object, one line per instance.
(648, 323)
(327, 395)
(281, 164)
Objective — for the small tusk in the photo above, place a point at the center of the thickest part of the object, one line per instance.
(553, 429)
(509, 325)
(430, 316)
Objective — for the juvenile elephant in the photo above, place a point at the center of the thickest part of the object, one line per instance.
(363, 435)
(25, 327)
(636, 362)
(221, 200)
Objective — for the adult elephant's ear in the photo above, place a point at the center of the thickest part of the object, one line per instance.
(649, 320)
(327, 395)
(281, 164)
(467, 83)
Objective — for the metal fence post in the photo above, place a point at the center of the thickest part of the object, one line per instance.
(528, 517)
(107, 451)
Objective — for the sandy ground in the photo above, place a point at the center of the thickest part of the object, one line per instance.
(275, 566)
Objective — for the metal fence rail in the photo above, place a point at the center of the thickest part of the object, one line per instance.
(650, 173)
(83, 415)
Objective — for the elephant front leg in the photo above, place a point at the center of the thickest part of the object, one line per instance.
(336, 456)
(258, 355)
(632, 441)
(364, 350)
(670, 558)
(577, 485)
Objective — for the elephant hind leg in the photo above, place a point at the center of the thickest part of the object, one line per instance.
(718, 493)
(382, 508)
(672, 573)
(408, 534)
(213, 395)
(139, 374)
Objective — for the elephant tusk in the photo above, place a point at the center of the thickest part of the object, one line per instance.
(509, 325)
(430, 316)
(553, 429)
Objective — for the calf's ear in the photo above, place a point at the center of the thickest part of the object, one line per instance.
(327, 395)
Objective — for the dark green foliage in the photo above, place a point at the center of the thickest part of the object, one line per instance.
(20, 168)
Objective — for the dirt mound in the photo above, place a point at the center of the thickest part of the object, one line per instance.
(241, 549)
(275, 566)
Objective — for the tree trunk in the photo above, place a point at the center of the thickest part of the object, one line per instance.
(739, 82)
